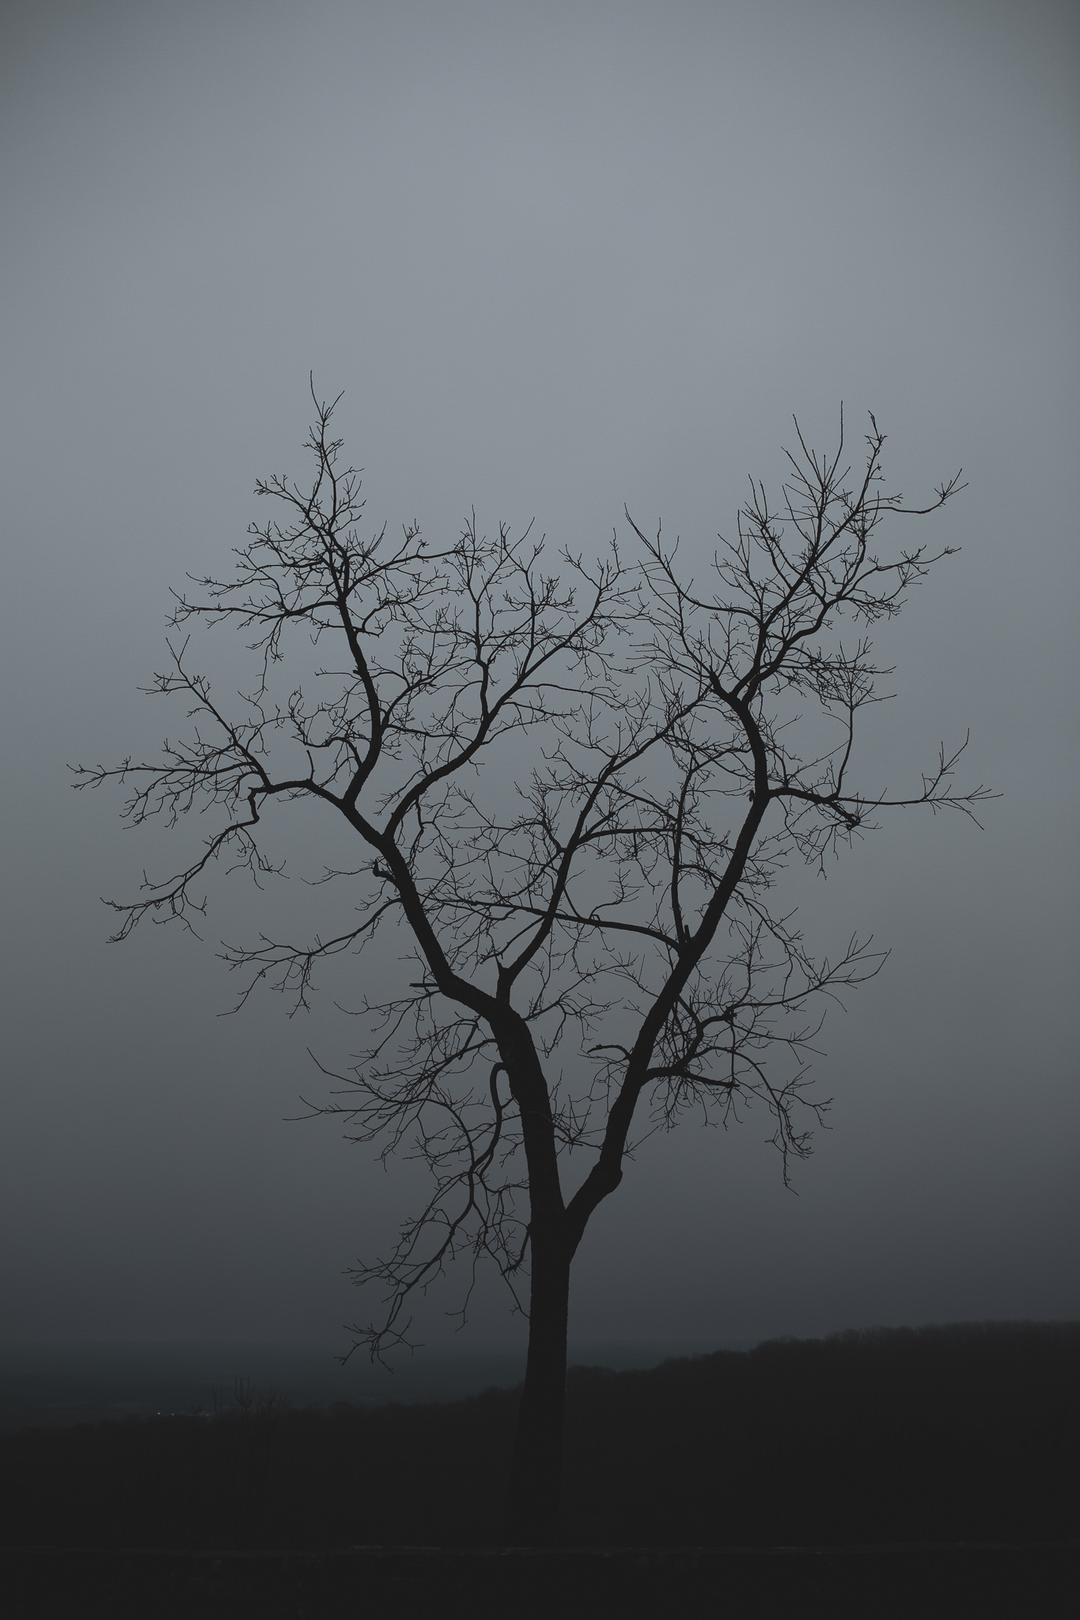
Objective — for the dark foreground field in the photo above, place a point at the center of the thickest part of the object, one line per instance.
(915, 1583)
(897, 1473)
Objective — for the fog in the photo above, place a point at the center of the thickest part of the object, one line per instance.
(561, 258)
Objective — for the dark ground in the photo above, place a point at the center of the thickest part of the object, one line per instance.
(913, 1474)
(908, 1583)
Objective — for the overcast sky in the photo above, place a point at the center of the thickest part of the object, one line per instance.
(561, 257)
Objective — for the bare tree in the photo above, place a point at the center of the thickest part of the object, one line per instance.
(596, 942)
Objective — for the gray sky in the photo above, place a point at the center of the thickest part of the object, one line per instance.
(561, 257)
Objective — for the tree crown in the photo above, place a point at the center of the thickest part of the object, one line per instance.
(575, 784)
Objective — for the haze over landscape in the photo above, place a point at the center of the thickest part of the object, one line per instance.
(561, 258)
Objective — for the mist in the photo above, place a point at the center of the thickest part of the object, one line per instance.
(560, 259)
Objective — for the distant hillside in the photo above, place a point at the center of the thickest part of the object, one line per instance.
(951, 1434)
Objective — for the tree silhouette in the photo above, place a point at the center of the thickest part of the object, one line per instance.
(597, 949)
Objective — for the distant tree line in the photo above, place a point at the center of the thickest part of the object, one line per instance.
(952, 1434)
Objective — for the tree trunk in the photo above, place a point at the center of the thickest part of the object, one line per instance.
(536, 1466)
